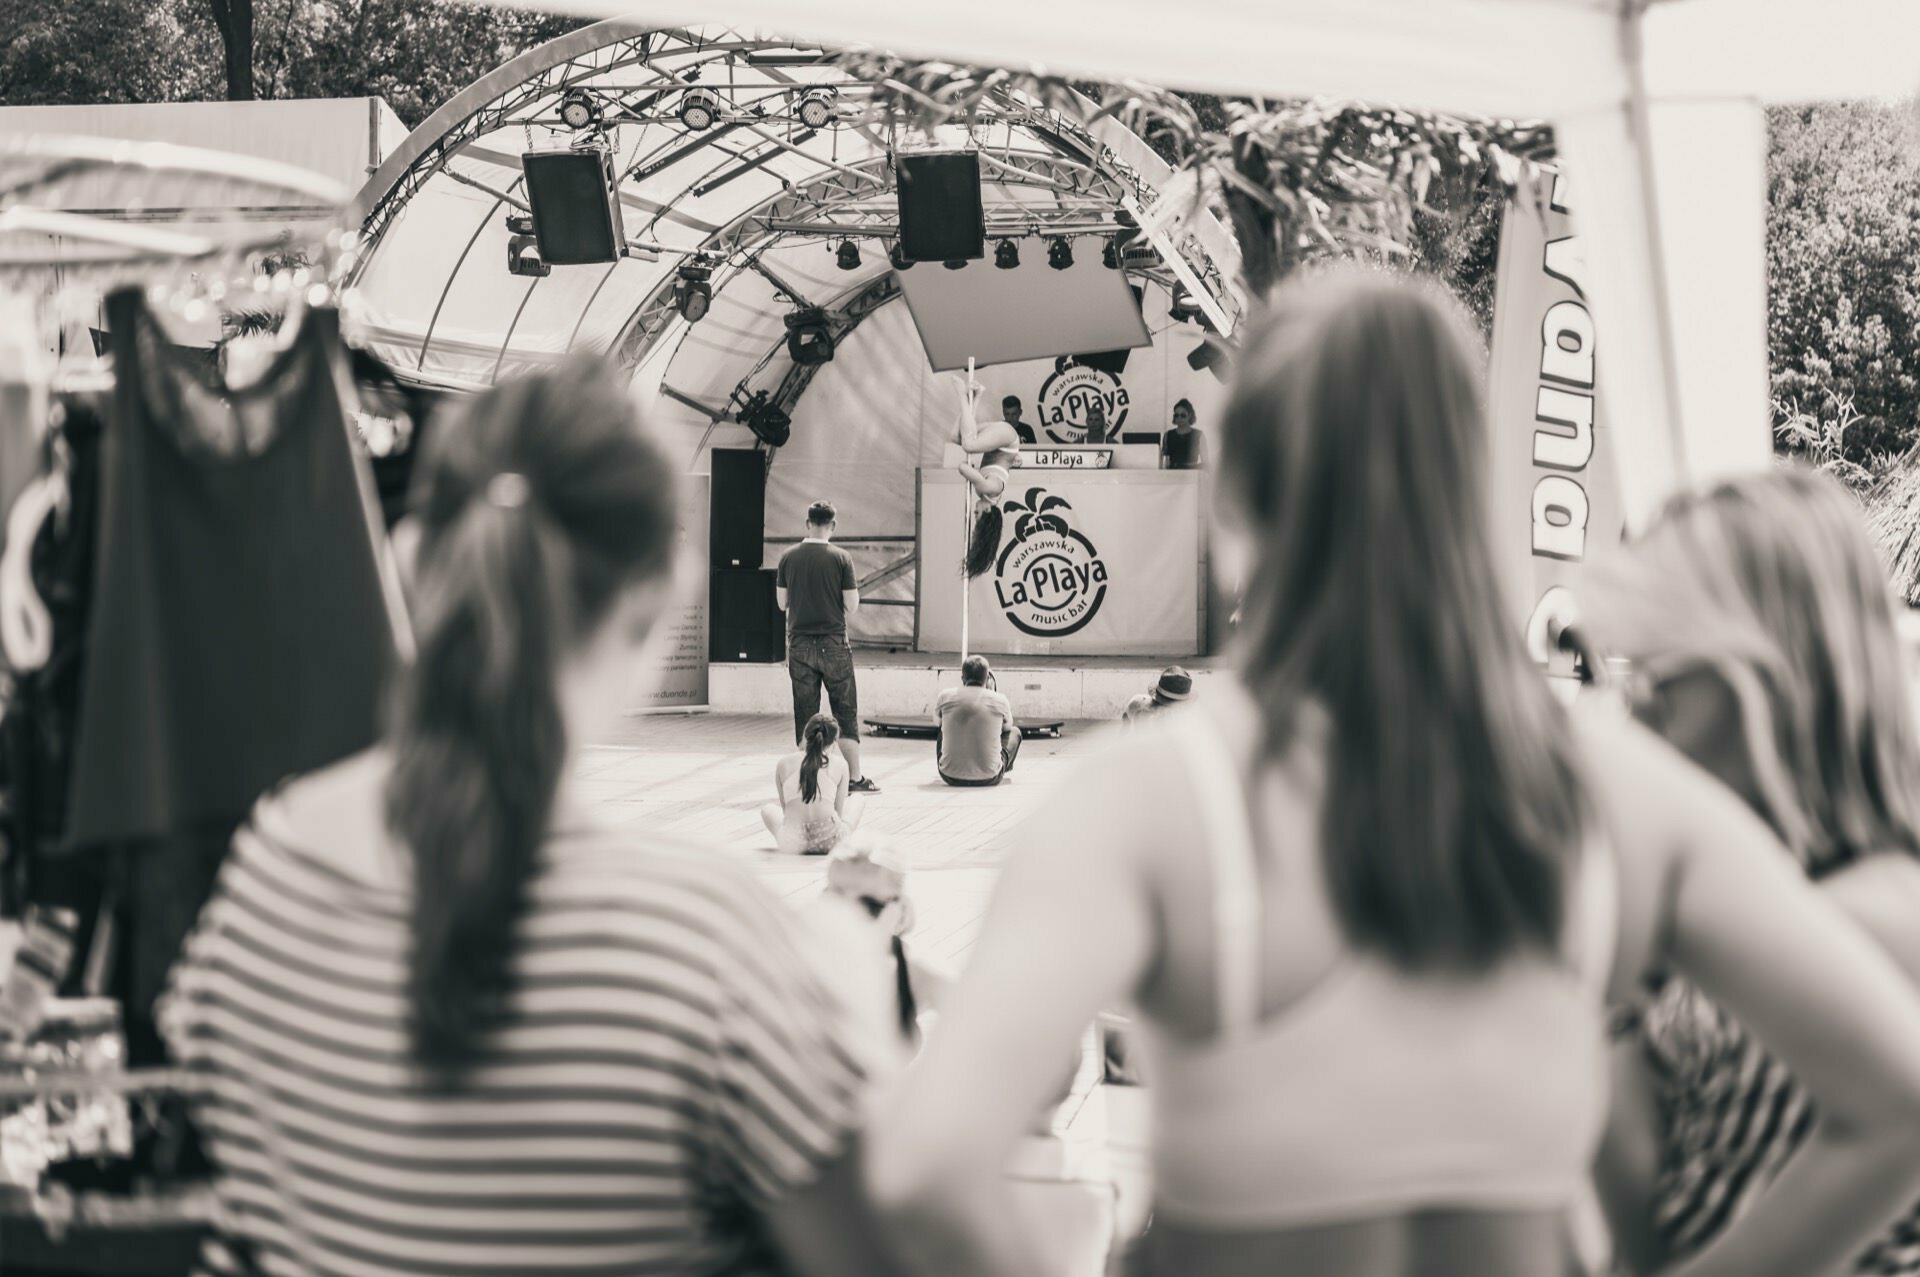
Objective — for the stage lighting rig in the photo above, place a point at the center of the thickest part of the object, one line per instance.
(523, 250)
(848, 256)
(700, 109)
(898, 259)
(769, 425)
(809, 337)
(1060, 253)
(578, 110)
(1006, 255)
(814, 108)
(1213, 357)
(693, 292)
(1184, 308)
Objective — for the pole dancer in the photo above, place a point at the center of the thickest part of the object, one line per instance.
(996, 443)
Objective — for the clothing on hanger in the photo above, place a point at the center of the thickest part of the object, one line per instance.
(240, 631)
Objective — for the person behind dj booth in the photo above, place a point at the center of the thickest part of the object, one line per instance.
(1010, 411)
(978, 740)
(1097, 427)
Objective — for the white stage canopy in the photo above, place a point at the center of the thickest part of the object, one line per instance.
(770, 199)
(1657, 106)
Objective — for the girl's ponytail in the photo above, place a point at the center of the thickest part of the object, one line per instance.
(821, 732)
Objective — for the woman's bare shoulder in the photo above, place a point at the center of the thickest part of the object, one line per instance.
(1881, 893)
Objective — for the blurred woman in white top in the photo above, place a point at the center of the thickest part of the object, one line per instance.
(1368, 898)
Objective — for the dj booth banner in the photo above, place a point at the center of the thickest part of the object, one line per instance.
(1091, 563)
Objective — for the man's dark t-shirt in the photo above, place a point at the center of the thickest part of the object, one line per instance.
(1025, 432)
(1184, 449)
(813, 573)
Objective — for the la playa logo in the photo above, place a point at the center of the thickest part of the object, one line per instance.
(1073, 393)
(1049, 580)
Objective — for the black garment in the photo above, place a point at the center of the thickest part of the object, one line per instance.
(239, 630)
(1025, 432)
(1184, 450)
(43, 713)
(813, 574)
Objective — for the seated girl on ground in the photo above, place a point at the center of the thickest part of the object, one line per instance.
(996, 443)
(812, 817)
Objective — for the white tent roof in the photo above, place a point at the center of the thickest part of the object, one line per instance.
(1513, 58)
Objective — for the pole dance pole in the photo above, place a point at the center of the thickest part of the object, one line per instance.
(966, 525)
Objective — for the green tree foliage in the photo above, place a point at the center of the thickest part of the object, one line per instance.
(414, 53)
(1843, 284)
(81, 51)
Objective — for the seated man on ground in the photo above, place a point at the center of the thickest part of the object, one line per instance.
(812, 816)
(978, 739)
(1173, 686)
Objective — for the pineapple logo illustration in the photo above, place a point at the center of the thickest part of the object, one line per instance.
(1049, 579)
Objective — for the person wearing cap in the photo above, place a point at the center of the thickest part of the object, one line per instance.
(1173, 686)
(816, 588)
(978, 739)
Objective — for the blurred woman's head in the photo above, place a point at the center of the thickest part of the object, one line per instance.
(1353, 479)
(1759, 618)
(546, 532)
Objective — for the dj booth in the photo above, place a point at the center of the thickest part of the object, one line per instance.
(1105, 556)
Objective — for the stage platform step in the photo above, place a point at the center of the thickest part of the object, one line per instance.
(894, 686)
(926, 729)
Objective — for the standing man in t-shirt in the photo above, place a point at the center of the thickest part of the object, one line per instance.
(817, 590)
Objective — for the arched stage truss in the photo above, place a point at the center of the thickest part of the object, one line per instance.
(794, 166)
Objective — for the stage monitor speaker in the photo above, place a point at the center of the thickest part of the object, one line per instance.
(737, 508)
(744, 623)
(941, 216)
(576, 206)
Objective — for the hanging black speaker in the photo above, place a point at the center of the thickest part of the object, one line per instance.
(942, 218)
(575, 200)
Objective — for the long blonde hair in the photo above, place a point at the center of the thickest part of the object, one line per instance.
(1771, 584)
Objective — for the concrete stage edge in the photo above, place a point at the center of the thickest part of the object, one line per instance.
(904, 684)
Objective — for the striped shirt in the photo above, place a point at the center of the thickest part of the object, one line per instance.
(667, 1068)
(1731, 1118)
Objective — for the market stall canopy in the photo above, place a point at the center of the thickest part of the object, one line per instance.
(1538, 58)
(338, 141)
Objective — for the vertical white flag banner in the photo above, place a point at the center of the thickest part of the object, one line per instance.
(1554, 489)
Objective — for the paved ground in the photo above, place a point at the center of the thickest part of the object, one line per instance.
(706, 775)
